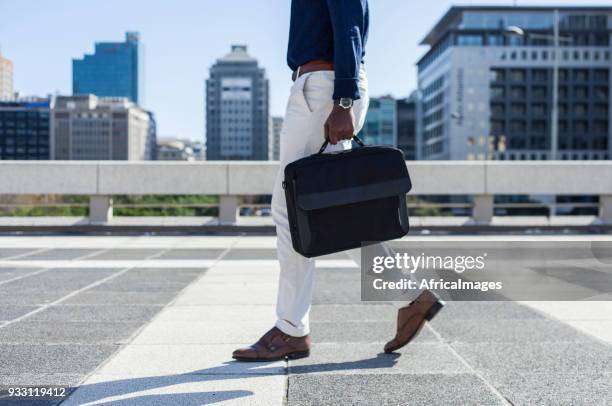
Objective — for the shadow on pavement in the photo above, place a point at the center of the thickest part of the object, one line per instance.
(96, 392)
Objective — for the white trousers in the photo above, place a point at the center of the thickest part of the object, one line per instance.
(302, 134)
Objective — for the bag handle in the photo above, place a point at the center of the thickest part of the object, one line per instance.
(355, 138)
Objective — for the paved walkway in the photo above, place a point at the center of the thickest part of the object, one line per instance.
(153, 321)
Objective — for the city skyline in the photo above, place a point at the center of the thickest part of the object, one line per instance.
(178, 39)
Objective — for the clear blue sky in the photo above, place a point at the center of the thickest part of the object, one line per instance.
(184, 37)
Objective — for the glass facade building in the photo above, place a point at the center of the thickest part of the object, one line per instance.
(380, 127)
(24, 129)
(115, 69)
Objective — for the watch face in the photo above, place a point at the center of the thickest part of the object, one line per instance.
(346, 103)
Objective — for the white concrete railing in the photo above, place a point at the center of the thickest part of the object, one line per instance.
(231, 179)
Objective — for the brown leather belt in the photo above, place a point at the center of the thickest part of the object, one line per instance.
(312, 66)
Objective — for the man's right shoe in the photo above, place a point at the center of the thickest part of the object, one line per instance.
(273, 346)
(412, 318)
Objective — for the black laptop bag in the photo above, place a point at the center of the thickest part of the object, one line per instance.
(338, 201)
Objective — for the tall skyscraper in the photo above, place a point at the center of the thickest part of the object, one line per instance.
(276, 126)
(237, 108)
(6, 78)
(24, 128)
(487, 84)
(407, 125)
(380, 125)
(86, 127)
(115, 69)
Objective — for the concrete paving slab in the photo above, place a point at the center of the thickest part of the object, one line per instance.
(390, 389)
(56, 279)
(53, 358)
(505, 331)
(361, 332)
(486, 311)
(89, 313)
(209, 359)
(10, 273)
(250, 254)
(236, 295)
(591, 310)
(601, 330)
(201, 332)
(219, 313)
(10, 312)
(11, 252)
(353, 312)
(59, 253)
(561, 388)
(537, 357)
(366, 358)
(126, 253)
(43, 332)
(106, 297)
(191, 253)
(27, 379)
(180, 390)
(32, 297)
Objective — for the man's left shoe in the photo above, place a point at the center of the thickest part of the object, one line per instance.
(273, 346)
(412, 318)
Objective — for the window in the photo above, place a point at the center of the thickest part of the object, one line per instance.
(580, 109)
(601, 92)
(601, 75)
(518, 92)
(498, 75)
(601, 109)
(518, 126)
(581, 75)
(519, 109)
(518, 75)
(538, 92)
(498, 109)
(497, 127)
(540, 75)
(469, 40)
(495, 40)
(538, 109)
(538, 127)
(581, 92)
(498, 92)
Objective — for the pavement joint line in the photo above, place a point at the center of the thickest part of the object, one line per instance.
(25, 254)
(74, 292)
(470, 368)
(47, 268)
(139, 330)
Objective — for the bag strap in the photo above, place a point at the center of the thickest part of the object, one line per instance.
(326, 142)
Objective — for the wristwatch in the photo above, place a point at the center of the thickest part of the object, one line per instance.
(345, 102)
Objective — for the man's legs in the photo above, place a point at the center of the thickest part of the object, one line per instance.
(309, 106)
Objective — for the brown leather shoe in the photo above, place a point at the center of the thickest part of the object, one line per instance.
(275, 345)
(412, 318)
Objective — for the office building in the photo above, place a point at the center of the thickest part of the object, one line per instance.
(24, 128)
(115, 69)
(407, 126)
(237, 108)
(380, 127)
(87, 127)
(276, 126)
(176, 149)
(6, 78)
(487, 84)
(172, 149)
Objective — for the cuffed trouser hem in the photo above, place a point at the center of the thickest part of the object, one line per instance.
(293, 331)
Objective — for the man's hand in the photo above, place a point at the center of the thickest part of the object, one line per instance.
(339, 125)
